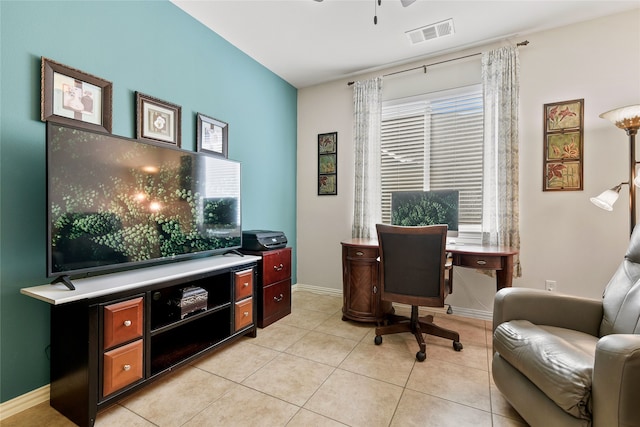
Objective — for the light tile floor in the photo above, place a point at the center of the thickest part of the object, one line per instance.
(314, 369)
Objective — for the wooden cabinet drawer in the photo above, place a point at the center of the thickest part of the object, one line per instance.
(123, 322)
(244, 313)
(276, 266)
(276, 303)
(362, 253)
(122, 366)
(477, 261)
(244, 284)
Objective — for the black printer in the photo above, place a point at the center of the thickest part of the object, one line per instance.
(263, 240)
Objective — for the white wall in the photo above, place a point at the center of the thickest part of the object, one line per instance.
(563, 236)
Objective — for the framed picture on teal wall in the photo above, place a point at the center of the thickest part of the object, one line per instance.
(328, 164)
(212, 136)
(70, 96)
(158, 120)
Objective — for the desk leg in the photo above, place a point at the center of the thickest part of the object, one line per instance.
(504, 277)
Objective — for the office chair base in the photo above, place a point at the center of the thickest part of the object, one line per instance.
(417, 326)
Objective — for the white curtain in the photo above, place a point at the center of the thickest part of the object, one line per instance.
(501, 218)
(367, 107)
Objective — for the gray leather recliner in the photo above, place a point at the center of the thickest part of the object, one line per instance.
(565, 361)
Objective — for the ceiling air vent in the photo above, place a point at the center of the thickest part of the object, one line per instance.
(430, 32)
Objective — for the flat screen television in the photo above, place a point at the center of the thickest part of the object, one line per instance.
(116, 203)
(419, 208)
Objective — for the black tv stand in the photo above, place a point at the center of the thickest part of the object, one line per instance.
(129, 319)
(65, 280)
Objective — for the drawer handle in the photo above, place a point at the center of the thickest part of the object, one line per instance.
(127, 323)
(245, 284)
(375, 289)
(278, 298)
(126, 368)
(246, 314)
(481, 262)
(359, 253)
(278, 267)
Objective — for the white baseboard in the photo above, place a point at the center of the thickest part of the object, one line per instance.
(24, 402)
(472, 313)
(317, 289)
(458, 311)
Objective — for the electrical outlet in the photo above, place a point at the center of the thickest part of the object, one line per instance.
(550, 285)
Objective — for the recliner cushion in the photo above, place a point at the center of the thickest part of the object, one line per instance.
(621, 305)
(558, 361)
(621, 299)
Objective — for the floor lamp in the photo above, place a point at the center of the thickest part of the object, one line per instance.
(627, 118)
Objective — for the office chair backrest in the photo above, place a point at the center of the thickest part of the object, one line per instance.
(412, 263)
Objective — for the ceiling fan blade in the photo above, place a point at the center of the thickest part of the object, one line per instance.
(405, 3)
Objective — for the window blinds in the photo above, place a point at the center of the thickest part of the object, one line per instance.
(435, 142)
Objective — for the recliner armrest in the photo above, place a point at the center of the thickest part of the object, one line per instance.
(547, 308)
(616, 381)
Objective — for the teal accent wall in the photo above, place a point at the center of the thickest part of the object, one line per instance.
(148, 46)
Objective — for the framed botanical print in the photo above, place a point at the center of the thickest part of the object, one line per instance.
(70, 96)
(328, 164)
(157, 120)
(563, 146)
(327, 185)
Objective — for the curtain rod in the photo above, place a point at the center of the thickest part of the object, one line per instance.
(524, 43)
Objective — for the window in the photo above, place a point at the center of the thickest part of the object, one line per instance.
(434, 142)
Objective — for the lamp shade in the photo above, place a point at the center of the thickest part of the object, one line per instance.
(607, 198)
(624, 117)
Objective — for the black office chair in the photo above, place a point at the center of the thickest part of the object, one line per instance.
(412, 271)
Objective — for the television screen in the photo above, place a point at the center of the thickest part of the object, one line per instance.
(419, 208)
(116, 203)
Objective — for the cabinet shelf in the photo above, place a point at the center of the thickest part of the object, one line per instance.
(178, 344)
(171, 324)
(163, 310)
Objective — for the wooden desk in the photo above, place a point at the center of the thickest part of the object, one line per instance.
(497, 258)
(360, 274)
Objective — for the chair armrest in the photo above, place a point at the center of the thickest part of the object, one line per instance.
(547, 308)
(616, 381)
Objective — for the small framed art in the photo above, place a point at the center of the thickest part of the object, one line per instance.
(70, 96)
(212, 136)
(328, 164)
(563, 146)
(158, 120)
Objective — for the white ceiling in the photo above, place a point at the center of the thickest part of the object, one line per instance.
(307, 42)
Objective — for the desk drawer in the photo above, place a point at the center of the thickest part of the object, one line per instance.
(362, 253)
(244, 284)
(122, 322)
(244, 313)
(276, 303)
(478, 261)
(276, 266)
(122, 366)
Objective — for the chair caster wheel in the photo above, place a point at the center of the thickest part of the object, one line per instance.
(457, 345)
(420, 356)
(378, 339)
